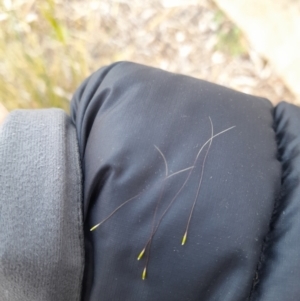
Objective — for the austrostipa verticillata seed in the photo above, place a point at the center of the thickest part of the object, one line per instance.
(198, 189)
(185, 182)
(155, 212)
(131, 199)
(118, 208)
(209, 141)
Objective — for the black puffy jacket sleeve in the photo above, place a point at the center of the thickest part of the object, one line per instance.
(197, 181)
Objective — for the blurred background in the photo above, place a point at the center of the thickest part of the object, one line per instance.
(48, 47)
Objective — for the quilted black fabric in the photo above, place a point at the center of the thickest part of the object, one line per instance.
(169, 159)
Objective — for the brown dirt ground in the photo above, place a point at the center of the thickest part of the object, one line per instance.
(192, 38)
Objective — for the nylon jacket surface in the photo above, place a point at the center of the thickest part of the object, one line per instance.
(235, 203)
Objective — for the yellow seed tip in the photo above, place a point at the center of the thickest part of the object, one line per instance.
(144, 273)
(184, 238)
(141, 254)
(95, 227)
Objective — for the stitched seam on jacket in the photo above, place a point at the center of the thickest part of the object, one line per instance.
(266, 240)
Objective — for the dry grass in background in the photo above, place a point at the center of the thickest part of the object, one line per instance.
(48, 47)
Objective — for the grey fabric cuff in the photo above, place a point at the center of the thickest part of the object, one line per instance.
(41, 231)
